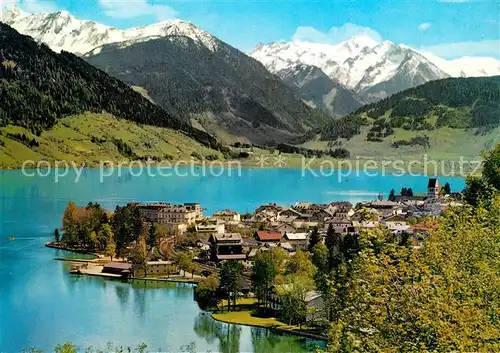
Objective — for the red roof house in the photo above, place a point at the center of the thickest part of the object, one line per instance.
(265, 235)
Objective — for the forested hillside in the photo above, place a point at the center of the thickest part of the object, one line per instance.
(462, 103)
(39, 86)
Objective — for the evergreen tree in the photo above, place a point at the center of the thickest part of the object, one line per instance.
(392, 195)
(152, 235)
(231, 274)
(264, 271)
(314, 238)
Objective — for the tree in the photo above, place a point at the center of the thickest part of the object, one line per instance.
(206, 292)
(264, 271)
(439, 297)
(94, 241)
(323, 276)
(152, 235)
(333, 242)
(231, 275)
(491, 167)
(392, 195)
(69, 215)
(301, 265)
(293, 298)
(107, 237)
(329, 233)
(320, 258)
(69, 225)
(185, 263)
(127, 225)
(57, 237)
(481, 189)
(314, 238)
(447, 188)
(476, 190)
(139, 253)
(66, 348)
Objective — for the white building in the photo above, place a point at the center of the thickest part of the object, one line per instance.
(227, 216)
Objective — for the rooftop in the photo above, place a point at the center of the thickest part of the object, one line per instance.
(426, 226)
(226, 212)
(296, 236)
(232, 237)
(232, 257)
(338, 220)
(264, 235)
(161, 262)
(118, 265)
(432, 183)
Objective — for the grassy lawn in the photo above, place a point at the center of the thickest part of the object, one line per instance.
(244, 314)
(246, 318)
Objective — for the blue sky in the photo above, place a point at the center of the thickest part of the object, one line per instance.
(449, 28)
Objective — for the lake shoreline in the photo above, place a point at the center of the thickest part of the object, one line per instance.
(275, 328)
(327, 166)
(278, 329)
(53, 245)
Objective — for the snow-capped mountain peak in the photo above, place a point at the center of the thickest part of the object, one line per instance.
(62, 31)
(12, 12)
(362, 63)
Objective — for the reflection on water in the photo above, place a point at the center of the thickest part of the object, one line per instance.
(234, 338)
(227, 336)
(122, 293)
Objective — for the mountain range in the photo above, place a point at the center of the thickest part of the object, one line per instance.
(41, 89)
(319, 90)
(373, 70)
(186, 71)
(62, 31)
(278, 93)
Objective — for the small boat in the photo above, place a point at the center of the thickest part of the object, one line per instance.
(11, 238)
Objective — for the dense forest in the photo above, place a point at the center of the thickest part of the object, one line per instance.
(454, 102)
(39, 86)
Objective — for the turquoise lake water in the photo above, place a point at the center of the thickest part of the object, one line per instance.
(42, 305)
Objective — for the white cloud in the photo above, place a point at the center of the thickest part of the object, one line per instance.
(455, 50)
(31, 6)
(128, 9)
(424, 26)
(335, 34)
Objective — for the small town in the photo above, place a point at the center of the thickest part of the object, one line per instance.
(177, 242)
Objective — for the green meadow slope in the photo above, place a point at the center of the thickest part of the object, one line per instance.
(92, 138)
(444, 119)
